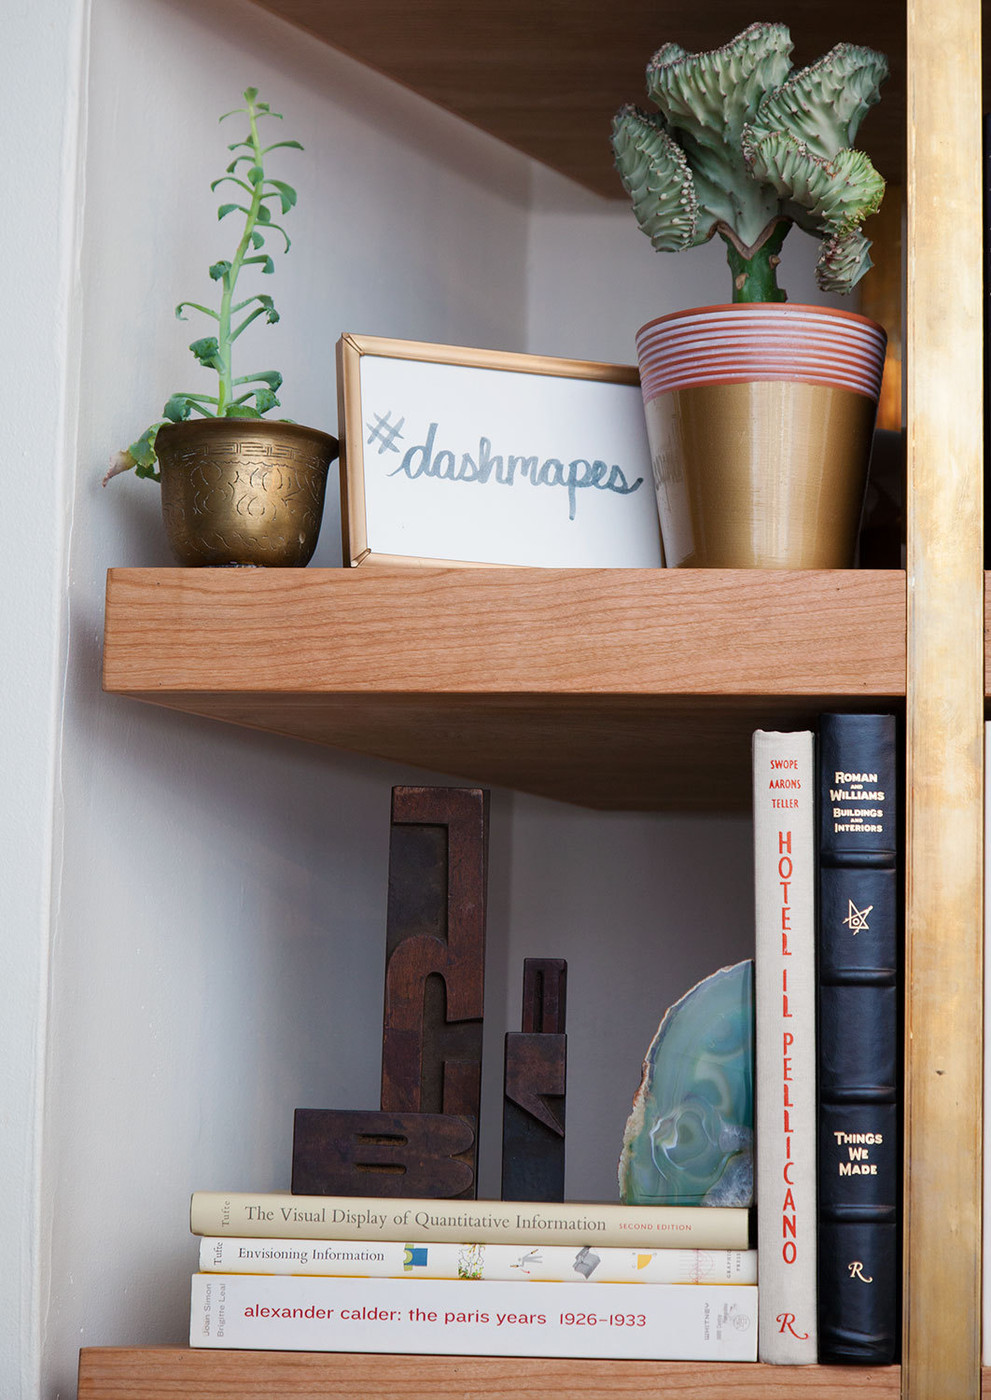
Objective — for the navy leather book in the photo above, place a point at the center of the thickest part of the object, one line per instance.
(859, 924)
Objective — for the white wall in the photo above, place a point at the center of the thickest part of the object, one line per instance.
(217, 939)
(43, 45)
(594, 278)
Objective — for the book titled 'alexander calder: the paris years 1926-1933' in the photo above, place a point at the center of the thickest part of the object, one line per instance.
(455, 1317)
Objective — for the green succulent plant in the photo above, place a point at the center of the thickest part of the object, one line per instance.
(246, 395)
(743, 146)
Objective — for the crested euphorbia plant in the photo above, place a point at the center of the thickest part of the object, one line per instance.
(743, 146)
(246, 395)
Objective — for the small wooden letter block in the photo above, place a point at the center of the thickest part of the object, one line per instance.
(340, 1152)
(535, 1077)
(435, 953)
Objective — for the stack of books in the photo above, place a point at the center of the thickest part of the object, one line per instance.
(828, 981)
(286, 1272)
(508, 1278)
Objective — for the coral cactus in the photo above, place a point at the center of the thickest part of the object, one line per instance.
(743, 146)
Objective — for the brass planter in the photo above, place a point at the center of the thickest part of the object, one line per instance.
(760, 420)
(243, 490)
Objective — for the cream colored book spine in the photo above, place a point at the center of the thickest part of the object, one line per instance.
(276, 1215)
(986, 1256)
(784, 979)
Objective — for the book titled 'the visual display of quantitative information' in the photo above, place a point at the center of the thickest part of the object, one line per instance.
(653, 1321)
(277, 1215)
(508, 1262)
(784, 979)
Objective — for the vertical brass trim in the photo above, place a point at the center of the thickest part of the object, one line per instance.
(945, 696)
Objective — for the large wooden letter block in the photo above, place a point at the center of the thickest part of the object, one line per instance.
(351, 1152)
(535, 1078)
(423, 1141)
(435, 953)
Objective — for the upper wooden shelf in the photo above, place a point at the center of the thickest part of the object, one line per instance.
(612, 688)
(546, 77)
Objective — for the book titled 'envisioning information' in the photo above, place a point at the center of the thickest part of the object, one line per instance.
(520, 1263)
(652, 1321)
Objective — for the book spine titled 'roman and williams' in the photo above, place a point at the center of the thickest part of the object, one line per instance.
(508, 1262)
(784, 977)
(282, 1215)
(859, 1040)
(455, 1318)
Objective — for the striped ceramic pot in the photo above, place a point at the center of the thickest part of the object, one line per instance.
(760, 419)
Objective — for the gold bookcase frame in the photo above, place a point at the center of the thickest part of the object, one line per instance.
(944, 705)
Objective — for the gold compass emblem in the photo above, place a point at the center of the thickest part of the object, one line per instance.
(856, 919)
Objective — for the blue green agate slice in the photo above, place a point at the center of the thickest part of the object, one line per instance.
(689, 1138)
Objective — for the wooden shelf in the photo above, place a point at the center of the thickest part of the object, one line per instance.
(614, 688)
(167, 1373)
(547, 77)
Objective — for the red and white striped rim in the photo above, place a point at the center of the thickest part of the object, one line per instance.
(770, 340)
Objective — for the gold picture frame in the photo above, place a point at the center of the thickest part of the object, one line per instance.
(398, 398)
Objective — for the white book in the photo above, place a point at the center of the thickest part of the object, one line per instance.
(986, 1294)
(454, 1317)
(508, 1262)
(784, 979)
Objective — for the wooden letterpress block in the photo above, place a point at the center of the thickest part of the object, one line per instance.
(423, 1140)
(534, 1089)
(435, 953)
(344, 1152)
(545, 987)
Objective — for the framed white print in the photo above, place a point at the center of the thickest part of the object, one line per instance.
(455, 455)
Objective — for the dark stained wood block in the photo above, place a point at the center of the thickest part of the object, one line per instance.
(534, 1088)
(423, 1140)
(545, 987)
(354, 1152)
(435, 953)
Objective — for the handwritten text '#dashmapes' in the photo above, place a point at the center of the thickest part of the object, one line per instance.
(579, 475)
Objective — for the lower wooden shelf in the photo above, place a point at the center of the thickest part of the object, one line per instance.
(170, 1373)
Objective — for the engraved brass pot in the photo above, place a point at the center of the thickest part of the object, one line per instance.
(243, 490)
(760, 420)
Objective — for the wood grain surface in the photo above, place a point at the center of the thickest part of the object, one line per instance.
(636, 689)
(546, 77)
(164, 1373)
(946, 685)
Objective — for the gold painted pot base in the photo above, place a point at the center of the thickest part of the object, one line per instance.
(766, 475)
(243, 491)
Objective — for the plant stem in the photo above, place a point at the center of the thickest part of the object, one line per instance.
(755, 278)
(224, 338)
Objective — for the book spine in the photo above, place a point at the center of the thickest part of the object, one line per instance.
(655, 1321)
(506, 1262)
(784, 979)
(278, 1215)
(859, 1040)
(986, 1253)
